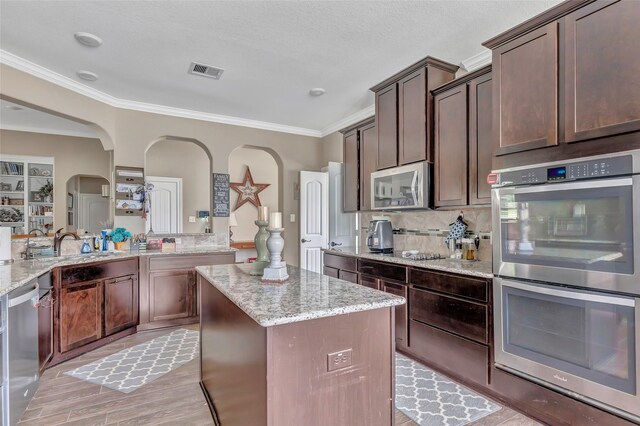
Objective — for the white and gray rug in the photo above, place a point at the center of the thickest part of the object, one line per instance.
(430, 399)
(138, 365)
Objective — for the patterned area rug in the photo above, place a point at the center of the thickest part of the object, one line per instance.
(138, 365)
(430, 399)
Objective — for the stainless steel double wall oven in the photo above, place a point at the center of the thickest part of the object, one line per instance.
(566, 260)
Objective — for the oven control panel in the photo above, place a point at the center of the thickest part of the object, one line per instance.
(604, 167)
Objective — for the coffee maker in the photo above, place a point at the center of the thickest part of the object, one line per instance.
(380, 236)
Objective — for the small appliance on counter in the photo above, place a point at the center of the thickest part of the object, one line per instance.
(380, 236)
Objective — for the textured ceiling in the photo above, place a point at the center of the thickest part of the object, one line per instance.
(273, 52)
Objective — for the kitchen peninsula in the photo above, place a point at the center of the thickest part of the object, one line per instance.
(315, 350)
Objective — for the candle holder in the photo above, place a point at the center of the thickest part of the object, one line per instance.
(277, 269)
(257, 267)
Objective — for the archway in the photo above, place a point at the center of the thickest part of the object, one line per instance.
(88, 204)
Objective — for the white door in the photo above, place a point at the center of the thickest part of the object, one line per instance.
(165, 214)
(93, 212)
(314, 219)
(342, 226)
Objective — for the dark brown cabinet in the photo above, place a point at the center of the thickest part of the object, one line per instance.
(601, 90)
(360, 153)
(370, 282)
(45, 331)
(463, 140)
(402, 335)
(120, 303)
(525, 100)
(404, 116)
(169, 289)
(80, 314)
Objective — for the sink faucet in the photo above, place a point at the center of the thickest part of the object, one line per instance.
(57, 240)
(35, 231)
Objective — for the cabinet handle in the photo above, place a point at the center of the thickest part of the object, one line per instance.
(305, 241)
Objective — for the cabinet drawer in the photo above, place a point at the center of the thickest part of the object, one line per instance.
(331, 272)
(467, 319)
(340, 262)
(370, 282)
(97, 271)
(167, 262)
(383, 270)
(459, 286)
(352, 277)
(459, 357)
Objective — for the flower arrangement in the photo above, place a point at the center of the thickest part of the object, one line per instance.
(46, 189)
(119, 235)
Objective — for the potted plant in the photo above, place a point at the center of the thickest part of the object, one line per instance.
(119, 236)
(45, 192)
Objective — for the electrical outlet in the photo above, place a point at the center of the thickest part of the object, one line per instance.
(339, 360)
(292, 217)
(192, 219)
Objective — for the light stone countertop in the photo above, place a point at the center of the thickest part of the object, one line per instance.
(306, 295)
(480, 268)
(22, 271)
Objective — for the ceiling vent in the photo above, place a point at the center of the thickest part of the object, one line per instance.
(205, 70)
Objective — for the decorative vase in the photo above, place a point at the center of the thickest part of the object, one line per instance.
(257, 267)
(277, 269)
(121, 246)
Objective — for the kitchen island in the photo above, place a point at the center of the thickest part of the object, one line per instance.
(312, 351)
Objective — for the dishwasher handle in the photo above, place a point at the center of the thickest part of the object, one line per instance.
(18, 300)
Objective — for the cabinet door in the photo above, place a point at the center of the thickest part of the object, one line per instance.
(370, 282)
(412, 118)
(525, 72)
(80, 314)
(368, 161)
(387, 126)
(120, 303)
(171, 294)
(45, 331)
(601, 87)
(480, 139)
(348, 276)
(402, 340)
(331, 272)
(451, 147)
(351, 172)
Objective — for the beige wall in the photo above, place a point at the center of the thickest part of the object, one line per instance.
(132, 132)
(188, 161)
(72, 156)
(332, 148)
(264, 169)
(91, 185)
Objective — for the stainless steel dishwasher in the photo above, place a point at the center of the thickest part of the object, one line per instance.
(19, 351)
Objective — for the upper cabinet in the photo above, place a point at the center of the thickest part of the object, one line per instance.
(463, 140)
(360, 159)
(404, 116)
(567, 75)
(601, 92)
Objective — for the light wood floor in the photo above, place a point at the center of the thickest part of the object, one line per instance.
(174, 398)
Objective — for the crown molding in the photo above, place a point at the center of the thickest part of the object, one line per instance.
(38, 71)
(352, 119)
(46, 131)
(477, 61)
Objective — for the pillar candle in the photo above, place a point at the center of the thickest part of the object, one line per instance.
(263, 213)
(276, 220)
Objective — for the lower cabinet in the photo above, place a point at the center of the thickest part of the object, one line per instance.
(169, 289)
(120, 303)
(369, 281)
(80, 314)
(402, 336)
(45, 331)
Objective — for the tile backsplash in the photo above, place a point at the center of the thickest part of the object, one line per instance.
(478, 219)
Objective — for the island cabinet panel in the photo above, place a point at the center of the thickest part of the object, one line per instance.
(412, 118)
(368, 162)
(601, 84)
(80, 314)
(351, 180)
(387, 126)
(401, 318)
(525, 73)
(172, 295)
(451, 172)
(480, 138)
(120, 303)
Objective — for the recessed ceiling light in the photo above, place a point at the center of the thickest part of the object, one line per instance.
(317, 91)
(87, 75)
(14, 107)
(88, 39)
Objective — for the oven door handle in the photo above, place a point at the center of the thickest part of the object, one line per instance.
(611, 300)
(605, 183)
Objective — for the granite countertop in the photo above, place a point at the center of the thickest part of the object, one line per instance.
(306, 295)
(22, 271)
(480, 268)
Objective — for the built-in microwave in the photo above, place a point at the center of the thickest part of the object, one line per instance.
(402, 188)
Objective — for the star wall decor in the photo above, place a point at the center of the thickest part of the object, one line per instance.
(248, 190)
